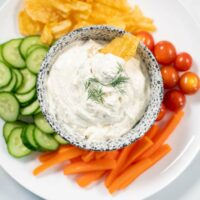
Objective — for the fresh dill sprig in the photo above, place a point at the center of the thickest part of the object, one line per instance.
(119, 80)
(120, 68)
(96, 94)
(90, 81)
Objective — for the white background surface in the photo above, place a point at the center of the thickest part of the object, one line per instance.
(186, 187)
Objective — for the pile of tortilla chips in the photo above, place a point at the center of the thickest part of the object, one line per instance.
(54, 18)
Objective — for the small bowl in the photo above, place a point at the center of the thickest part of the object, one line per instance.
(106, 33)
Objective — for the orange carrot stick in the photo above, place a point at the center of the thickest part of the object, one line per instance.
(77, 159)
(88, 157)
(141, 146)
(160, 138)
(131, 173)
(120, 162)
(46, 156)
(112, 154)
(59, 158)
(96, 165)
(87, 178)
(155, 157)
(99, 155)
(160, 153)
(153, 131)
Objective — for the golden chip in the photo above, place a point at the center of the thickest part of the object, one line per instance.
(124, 47)
(27, 26)
(61, 27)
(47, 36)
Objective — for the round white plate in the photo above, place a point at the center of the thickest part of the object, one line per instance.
(174, 24)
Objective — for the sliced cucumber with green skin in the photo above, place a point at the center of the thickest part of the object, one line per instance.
(9, 126)
(28, 138)
(15, 146)
(45, 141)
(1, 57)
(30, 109)
(34, 47)
(60, 140)
(19, 78)
(5, 75)
(37, 111)
(11, 86)
(25, 98)
(29, 82)
(42, 124)
(11, 54)
(9, 107)
(35, 58)
(27, 43)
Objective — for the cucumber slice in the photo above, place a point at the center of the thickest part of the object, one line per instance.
(5, 75)
(34, 47)
(1, 57)
(10, 87)
(25, 98)
(15, 145)
(9, 107)
(42, 124)
(37, 111)
(60, 140)
(19, 78)
(11, 54)
(35, 58)
(9, 126)
(29, 82)
(27, 43)
(45, 141)
(28, 139)
(30, 109)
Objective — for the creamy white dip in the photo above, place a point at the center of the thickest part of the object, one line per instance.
(78, 73)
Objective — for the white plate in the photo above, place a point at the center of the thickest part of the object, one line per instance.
(174, 24)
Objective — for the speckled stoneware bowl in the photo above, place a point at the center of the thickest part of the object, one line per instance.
(106, 33)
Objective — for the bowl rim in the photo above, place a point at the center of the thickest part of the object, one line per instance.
(124, 140)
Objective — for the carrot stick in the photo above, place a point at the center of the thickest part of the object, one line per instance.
(112, 154)
(153, 131)
(77, 159)
(88, 178)
(46, 156)
(120, 162)
(59, 158)
(131, 173)
(88, 157)
(160, 138)
(99, 155)
(155, 157)
(96, 165)
(160, 153)
(141, 146)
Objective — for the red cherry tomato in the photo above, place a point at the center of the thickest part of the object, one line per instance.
(189, 83)
(174, 100)
(183, 62)
(170, 76)
(162, 112)
(165, 52)
(146, 38)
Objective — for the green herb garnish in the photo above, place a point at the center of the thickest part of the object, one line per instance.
(94, 86)
(96, 94)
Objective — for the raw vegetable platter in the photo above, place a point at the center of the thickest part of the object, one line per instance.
(184, 141)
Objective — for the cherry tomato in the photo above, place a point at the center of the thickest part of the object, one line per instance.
(146, 38)
(189, 83)
(162, 112)
(170, 76)
(183, 61)
(165, 52)
(174, 100)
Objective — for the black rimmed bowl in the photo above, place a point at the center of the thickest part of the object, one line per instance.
(106, 33)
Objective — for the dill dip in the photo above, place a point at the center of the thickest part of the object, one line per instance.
(96, 96)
